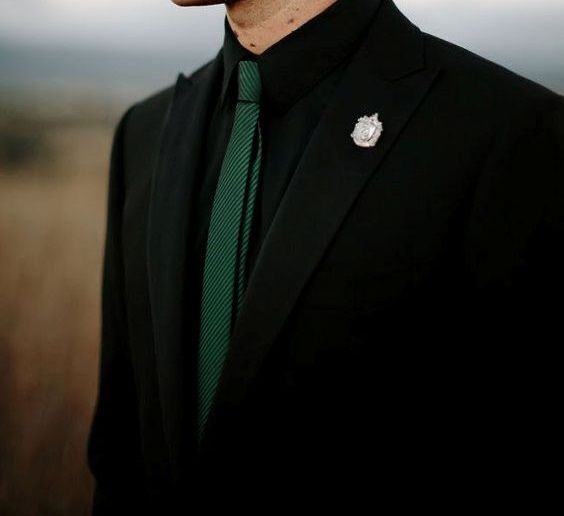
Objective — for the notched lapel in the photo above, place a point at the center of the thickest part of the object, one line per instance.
(172, 189)
(387, 76)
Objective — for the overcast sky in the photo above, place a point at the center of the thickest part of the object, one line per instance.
(525, 35)
(530, 25)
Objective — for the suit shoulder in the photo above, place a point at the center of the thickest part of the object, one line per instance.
(481, 79)
(145, 118)
(157, 102)
(154, 106)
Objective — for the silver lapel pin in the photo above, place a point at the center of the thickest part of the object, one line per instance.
(367, 131)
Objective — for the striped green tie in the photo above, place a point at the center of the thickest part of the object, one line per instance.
(224, 280)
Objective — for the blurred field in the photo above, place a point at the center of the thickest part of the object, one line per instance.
(53, 179)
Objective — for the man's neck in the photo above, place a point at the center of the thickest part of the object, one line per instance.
(258, 24)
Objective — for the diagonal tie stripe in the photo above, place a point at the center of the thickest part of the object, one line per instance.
(224, 279)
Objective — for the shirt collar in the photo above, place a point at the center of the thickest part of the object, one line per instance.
(294, 64)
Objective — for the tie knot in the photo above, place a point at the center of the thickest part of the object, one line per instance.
(249, 81)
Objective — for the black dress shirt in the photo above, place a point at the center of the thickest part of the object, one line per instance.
(298, 74)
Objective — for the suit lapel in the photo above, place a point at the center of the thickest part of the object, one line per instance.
(168, 226)
(387, 75)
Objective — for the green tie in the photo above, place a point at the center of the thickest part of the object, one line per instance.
(224, 280)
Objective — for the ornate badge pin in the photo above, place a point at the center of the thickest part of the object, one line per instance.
(367, 131)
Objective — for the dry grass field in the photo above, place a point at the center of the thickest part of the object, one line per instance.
(53, 179)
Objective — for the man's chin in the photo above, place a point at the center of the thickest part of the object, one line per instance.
(187, 3)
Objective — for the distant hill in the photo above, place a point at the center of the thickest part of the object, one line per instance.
(31, 70)
(126, 76)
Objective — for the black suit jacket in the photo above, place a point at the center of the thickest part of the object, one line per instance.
(398, 337)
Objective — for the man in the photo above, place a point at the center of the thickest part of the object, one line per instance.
(332, 274)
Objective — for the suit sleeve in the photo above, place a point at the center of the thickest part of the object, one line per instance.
(516, 259)
(512, 324)
(515, 244)
(550, 232)
(113, 447)
(534, 307)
